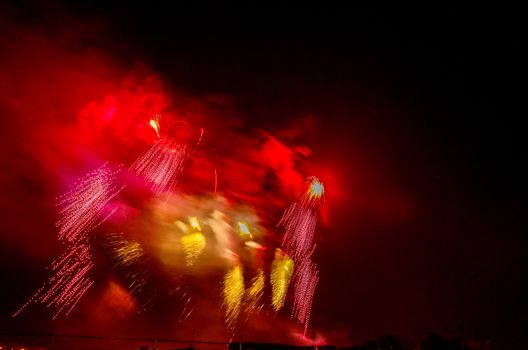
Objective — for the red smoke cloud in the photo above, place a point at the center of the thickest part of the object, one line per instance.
(70, 109)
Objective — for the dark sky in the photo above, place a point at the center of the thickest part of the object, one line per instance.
(418, 119)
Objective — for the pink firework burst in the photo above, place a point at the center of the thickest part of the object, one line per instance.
(300, 223)
(82, 206)
(161, 165)
(306, 279)
(82, 210)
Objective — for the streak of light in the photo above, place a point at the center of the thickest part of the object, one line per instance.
(215, 181)
(254, 245)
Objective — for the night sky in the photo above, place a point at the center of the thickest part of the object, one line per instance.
(413, 118)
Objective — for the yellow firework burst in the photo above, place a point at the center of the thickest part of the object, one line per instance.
(281, 272)
(233, 295)
(255, 292)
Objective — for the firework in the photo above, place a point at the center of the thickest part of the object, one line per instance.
(154, 124)
(129, 256)
(161, 165)
(233, 295)
(83, 205)
(306, 279)
(69, 281)
(299, 222)
(315, 192)
(255, 292)
(193, 246)
(125, 253)
(243, 229)
(193, 243)
(281, 272)
(82, 208)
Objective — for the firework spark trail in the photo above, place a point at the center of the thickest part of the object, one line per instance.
(281, 272)
(255, 292)
(233, 295)
(300, 223)
(161, 165)
(306, 279)
(82, 206)
(125, 252)
(130, 256)
(69, 281)
(81, 212)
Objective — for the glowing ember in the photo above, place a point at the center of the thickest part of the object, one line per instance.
(233, 295)
(161, 165)
(281, 272)
(154, 124)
